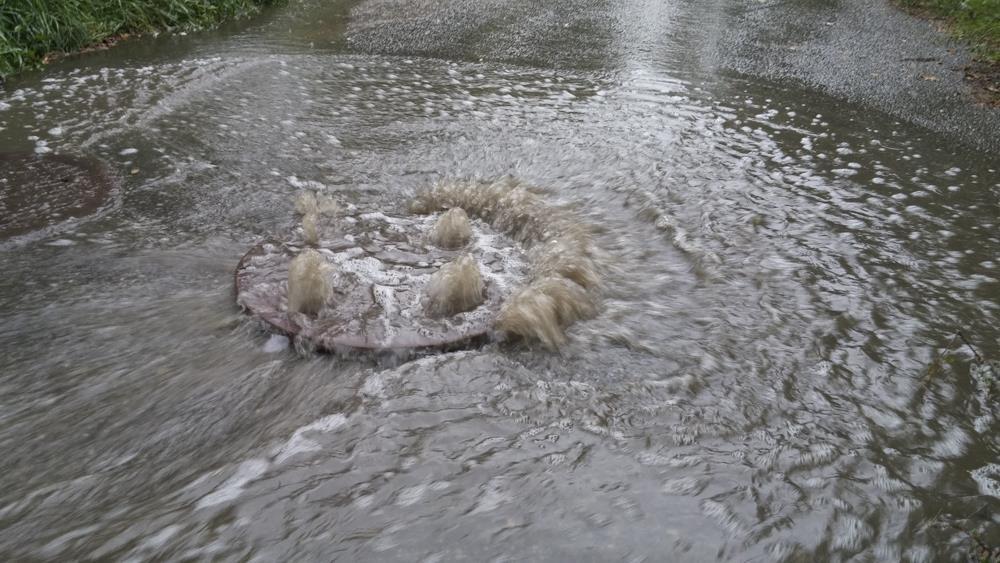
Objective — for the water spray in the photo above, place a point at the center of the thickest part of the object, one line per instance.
(471, 260)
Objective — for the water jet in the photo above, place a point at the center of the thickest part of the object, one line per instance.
(452, 229)
(455, 288)
(308, 284)
(310, 229)
(316, 203)
(389, 288)
(566, 281)
(435, 280)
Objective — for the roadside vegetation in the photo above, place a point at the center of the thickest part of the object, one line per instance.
(32, 31)
(975, 21)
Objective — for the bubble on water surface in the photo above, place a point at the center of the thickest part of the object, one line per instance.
(988, 479)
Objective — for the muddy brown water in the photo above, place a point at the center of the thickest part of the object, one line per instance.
(46, 190)
(774, 374)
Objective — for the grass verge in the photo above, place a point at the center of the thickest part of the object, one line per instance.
(978, 23)
(30, 30)
(975, 21)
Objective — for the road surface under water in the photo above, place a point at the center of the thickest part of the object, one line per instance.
(774, 373)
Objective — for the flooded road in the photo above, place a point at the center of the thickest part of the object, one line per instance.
(775, 372)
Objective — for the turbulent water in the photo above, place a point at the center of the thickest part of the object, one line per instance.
(777, 371)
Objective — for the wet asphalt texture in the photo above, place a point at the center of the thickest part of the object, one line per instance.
(861, 51)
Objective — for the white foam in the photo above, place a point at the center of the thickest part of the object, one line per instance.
(299, 443)
(232, 488)
(952, 444)
(988, 479)
(276, 343)
(305, 184)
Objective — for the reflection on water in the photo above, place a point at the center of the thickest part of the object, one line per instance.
(784, 270)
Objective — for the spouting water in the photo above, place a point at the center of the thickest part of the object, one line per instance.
(394, 290)
(452, 229)
(305, 202)
(310, 228)
(544, 308)
(566, 276)
(317, 209)
(317, 203)
(308, 283)
(456, 287)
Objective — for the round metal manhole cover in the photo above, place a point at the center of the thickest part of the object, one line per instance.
(380, 267)
(37, 191)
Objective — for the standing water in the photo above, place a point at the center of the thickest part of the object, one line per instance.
(776, 369)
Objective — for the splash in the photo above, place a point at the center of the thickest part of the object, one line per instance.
(315, 209)
(455, 288)
(308, 284)
(305, 203)
(452, 229)
(566, 277)
(544, 309)
(310, 229)
(382, 269)
(506, 204)
(316, 203)
(569, 255)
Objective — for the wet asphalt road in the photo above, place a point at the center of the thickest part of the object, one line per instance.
(861, 51)
(774, 374)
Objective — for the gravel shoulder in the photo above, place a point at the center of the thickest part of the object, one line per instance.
(865, 52)
(862, 51)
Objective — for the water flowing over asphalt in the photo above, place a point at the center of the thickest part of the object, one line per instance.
(774, 373)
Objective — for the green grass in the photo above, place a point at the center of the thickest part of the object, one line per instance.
(31, 29)
(975, 21)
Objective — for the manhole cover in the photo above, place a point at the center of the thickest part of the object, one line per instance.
(380, 267)
(41, 190)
